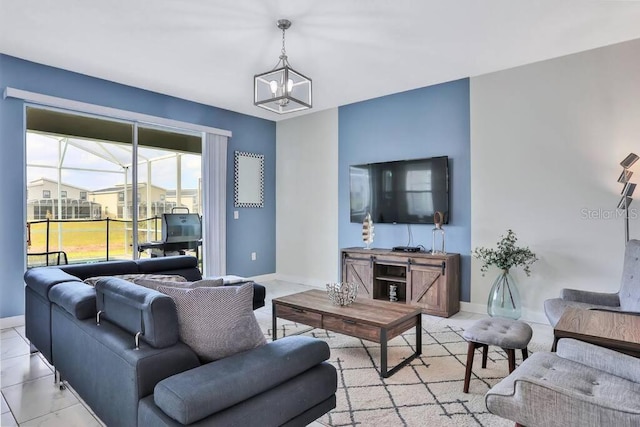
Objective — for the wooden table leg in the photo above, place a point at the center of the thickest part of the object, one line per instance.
(386, 373)
(383, 353)
(274, 331)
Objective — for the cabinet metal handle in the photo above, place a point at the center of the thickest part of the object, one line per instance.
(349, 322)
(298, 310)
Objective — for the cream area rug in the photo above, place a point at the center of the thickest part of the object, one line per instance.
(428, 392)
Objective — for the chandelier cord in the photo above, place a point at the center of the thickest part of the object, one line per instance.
(284, 51)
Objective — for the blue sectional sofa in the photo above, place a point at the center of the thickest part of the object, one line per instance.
(158, 380)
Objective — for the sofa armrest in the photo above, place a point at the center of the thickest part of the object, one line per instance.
(588, 297)
(603, 359)
(195, 394)
(76, 298)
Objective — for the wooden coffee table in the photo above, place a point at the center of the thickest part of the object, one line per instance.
(371, 320)
(617, 331)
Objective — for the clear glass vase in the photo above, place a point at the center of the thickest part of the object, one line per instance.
(504, 298)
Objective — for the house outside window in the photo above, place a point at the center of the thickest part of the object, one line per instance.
(83, 195)
(121, 197)
(46, 194)
(63, 194)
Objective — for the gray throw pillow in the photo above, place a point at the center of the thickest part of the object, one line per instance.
(136, 276)
(217, 322)
(155, 284)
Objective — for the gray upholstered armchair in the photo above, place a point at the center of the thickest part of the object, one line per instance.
(580, 385)
(626, 299)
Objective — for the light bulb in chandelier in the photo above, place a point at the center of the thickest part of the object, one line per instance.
(274, 87)
(277, 90)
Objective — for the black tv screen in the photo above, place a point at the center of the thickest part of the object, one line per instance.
(402, 192)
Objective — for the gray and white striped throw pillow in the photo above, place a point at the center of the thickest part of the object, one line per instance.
(217, 322)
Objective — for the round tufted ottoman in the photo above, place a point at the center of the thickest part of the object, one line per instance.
(507, 334)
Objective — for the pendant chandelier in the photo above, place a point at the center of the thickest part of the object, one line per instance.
(282, 90)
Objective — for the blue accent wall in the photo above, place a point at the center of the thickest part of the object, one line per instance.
(253, 232)
(426, 122)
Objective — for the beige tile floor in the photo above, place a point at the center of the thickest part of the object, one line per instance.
(30, 397)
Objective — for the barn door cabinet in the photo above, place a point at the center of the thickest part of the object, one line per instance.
(429, 281)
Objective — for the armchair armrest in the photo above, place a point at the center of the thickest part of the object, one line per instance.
(195, 394)
(596, 298)
(550, 390)
(543, 403)
(603, 359)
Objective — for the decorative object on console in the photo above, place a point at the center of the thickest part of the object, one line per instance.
(627, 190)
(393, 293)
(504, 298)
(343, 293)
(437, 234)
(367, 231)
(282, 90)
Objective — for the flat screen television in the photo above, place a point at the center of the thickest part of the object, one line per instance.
(400, 192)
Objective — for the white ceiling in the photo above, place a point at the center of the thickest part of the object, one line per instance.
(208, 50)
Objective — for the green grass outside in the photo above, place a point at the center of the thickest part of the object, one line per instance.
(86, 241)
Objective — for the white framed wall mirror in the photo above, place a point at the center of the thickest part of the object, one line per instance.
(249, 180)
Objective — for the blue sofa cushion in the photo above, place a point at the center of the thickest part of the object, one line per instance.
(132, 277)
(211, 388)
(138, 309)
(186, 266)
(42, 279)
(76, 298)
(107, 268)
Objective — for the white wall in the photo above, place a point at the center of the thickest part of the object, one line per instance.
(546, 142)
(307, 198)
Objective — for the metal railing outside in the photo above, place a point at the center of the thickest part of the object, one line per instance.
(86, 240)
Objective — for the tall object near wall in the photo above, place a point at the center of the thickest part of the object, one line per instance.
(437, 235)
(367, 231)
(627, 190)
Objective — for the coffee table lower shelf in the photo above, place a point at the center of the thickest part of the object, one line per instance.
(354, 321)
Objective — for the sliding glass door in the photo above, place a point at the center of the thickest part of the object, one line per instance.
(97, 188)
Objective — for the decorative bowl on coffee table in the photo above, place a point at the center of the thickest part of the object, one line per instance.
(343, 293)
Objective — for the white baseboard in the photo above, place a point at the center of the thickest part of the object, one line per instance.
(264, 277)
(316, 283)
(11, 322)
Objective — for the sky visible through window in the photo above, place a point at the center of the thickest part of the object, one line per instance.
(43, 150)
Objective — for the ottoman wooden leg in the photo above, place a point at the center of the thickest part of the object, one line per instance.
(511, 357)
(485, 350)
(525, 353)
(467, 375)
